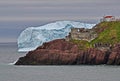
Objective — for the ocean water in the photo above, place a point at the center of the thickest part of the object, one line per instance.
(9, 72)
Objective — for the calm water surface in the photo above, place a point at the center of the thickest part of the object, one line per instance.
(8, 72)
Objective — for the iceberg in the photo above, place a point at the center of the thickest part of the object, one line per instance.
(32, 37)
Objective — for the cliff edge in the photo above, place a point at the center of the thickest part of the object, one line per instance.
(61, 52)
(103, 49)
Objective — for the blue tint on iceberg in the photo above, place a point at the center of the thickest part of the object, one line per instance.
(32, 37)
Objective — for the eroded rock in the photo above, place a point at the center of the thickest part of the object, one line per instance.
(61, 52)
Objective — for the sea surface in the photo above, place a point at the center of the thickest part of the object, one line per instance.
(10, 72)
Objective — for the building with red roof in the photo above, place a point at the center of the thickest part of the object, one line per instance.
(108, 18)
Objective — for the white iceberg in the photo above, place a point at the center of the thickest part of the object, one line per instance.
(32, 37)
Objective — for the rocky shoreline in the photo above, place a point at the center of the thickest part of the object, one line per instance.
(61, 52)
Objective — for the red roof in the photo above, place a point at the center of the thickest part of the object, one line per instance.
(108, 16)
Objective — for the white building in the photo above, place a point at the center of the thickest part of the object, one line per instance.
(108, 18)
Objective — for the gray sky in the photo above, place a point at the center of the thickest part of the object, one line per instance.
(16, 15)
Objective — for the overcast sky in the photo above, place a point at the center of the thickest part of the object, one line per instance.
(16, 15)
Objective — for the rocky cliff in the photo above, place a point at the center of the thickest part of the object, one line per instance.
(61, 52)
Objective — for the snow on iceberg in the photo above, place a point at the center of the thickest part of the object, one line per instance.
(32, 37)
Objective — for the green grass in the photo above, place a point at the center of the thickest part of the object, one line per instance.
(108, 32)
(82, 44)
(110, 35)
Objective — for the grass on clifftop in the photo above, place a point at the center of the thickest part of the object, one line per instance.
(82, 44)
(108, 32)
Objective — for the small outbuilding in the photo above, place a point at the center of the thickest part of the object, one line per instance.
(108, 18)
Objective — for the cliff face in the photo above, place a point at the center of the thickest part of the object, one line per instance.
(61, 52)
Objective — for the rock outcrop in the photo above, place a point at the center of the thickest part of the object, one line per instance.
(61, 52)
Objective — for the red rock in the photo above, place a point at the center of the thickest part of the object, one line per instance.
(61, 52)
(114, 57)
